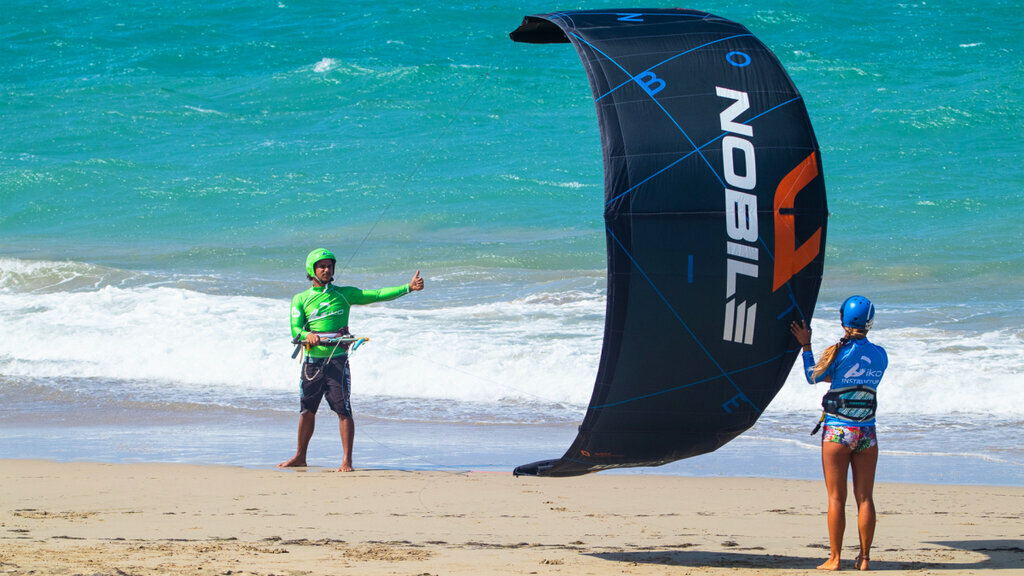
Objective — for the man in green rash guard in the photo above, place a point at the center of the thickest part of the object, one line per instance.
(318, 314)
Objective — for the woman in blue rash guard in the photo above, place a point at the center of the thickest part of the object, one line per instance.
(854, 367)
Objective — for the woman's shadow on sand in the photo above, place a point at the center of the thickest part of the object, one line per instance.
(1000, 554)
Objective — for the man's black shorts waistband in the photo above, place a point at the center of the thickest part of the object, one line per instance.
(312, 360)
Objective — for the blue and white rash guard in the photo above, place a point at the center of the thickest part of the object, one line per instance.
(858, 363)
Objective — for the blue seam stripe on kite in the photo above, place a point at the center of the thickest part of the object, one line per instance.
(655, 100)
(568, 13)
(701, 147)
(678, 317)
(632, 78)
(777, 106)
(696, 382)
(642, 182)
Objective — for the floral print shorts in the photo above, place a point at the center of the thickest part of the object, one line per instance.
(856, 438)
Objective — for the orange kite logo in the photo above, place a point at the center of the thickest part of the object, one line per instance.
(790, 258)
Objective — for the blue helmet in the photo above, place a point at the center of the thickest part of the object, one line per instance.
(857, 312)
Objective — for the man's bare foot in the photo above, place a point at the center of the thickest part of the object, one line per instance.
(345, 468)
(295, 462)
(831, 564)
(862, 562)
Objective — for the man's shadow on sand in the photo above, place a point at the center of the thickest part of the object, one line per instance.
(1000, 554)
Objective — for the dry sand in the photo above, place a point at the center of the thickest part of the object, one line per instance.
(85, 518)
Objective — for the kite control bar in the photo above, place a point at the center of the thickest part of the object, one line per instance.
(354, 341)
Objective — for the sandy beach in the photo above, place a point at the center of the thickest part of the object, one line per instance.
(88, 518)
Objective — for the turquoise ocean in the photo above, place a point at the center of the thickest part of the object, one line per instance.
(166, 166)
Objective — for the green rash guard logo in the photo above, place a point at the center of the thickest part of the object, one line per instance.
(324, 310)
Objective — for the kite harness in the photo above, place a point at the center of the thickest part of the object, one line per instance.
(856, 403)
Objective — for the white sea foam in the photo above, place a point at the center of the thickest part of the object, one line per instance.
(518, 350)
(931, 371)
(202, 110)
(159, 333)
(324, 65)
(67, 320)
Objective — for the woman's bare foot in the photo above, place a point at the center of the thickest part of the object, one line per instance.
(295, 462)
(831, 564)
(862, 562)
(345, 468)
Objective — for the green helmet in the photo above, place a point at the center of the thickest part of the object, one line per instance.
(316, 256)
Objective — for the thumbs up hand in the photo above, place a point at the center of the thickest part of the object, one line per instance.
(416, 283)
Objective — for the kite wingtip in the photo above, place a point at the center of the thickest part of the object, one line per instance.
(538, 468)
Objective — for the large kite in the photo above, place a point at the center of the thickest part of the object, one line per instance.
(715, 216)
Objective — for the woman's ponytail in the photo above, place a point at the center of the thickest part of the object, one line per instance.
(830, 353)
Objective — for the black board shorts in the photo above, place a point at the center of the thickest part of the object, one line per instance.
(330, 378)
